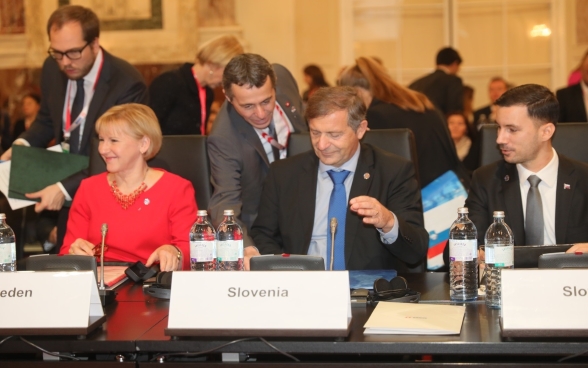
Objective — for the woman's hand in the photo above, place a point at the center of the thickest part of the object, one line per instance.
(82, 247)
(167, 255)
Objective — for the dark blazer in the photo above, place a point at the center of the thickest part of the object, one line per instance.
(238, 162)
(175, 99)
(491, 191)
(444, 90)
(119, 83)
(286, 212)
(435, 149)
(571, 104)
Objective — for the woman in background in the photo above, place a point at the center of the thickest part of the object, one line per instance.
(314, 78)
(149, 212)
(463, 136)
(181, 98)
(30, 105)
(391, 105)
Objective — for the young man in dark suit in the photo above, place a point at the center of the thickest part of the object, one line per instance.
(376, 204)
(554, 211)
(79, 82)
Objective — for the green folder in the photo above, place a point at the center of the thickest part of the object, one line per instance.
(33, 169)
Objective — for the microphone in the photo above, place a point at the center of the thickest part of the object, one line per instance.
(333, 230)
(106, 296)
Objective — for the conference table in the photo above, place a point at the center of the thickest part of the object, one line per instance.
(134, 335)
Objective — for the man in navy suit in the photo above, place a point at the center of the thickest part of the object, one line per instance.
(527, 117)
(79, 82)
(381, 203)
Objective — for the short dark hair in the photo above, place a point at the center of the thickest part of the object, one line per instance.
(75, 13)
(251, 70)
(540, 102)
(448, 56)
(328, 100)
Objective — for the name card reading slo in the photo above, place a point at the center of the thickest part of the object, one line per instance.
(72, 298)
(544, 302)
(260, 303)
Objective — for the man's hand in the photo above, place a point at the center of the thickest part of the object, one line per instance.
(249, 252)
(52, 198)
(579, 247)
(6, 155)
(167, 255)
(373, 212)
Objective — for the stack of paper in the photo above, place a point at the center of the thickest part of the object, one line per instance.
(415, 319)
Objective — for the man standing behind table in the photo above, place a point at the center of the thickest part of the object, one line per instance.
(486, 115)
(544, 194)
(79, 82)
(443, 87)
(372, 194)
(251, 131)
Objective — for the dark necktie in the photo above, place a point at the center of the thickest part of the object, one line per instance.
(534, 213)
(272, 132)
(337, 209)
(76, 109)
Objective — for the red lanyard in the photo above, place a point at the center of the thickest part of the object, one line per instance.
(82, 117)
(202, 95)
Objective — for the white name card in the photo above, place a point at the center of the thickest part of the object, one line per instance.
(544, 302)
(267, 302)
(26, 297)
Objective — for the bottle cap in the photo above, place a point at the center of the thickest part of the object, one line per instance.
(498, 214)
(228, 212)
(202, 213)
(2, 216)
(462, 210)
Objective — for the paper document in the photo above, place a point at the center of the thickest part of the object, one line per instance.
(415, 319)
(113, 276)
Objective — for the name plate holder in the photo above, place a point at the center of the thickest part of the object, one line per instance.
(544, 303)
(72, 298)
(260, 303)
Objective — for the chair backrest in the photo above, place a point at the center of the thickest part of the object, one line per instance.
(569, 140)
(398, 141)
(183, 155)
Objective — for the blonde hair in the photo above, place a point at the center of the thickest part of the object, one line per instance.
(370, 75)
(219, 50)
(136, 120)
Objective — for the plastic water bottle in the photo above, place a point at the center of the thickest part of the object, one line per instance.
(499, 254)
(230, 244)
(463, 258)
(202, 244)
(7, 246)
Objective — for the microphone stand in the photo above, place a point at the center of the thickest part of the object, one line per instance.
(333, 230)
(106, 296)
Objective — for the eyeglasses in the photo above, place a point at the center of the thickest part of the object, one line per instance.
(73, 54)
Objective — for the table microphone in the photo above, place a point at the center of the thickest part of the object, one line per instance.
(333, 230)
(106, 296)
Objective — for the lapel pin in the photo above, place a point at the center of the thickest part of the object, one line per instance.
(366, 176)
(287, 103)
(293, 109)
(506, 178)
(146, 201)
(567, 186)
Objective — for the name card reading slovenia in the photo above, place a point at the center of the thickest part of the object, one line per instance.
(260, 303)
(23, 293)
(544, 302)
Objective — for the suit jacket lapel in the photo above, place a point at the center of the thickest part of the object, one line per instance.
(512, 202)
(100, 94)
(58, 100)
(563, 197)
(307, 199)
(289, 107)
(360, 186)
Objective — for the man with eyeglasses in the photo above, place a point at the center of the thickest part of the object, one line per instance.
(79, 82)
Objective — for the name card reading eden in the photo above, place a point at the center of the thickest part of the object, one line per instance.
(72, 298)
(544, 302)
(262, 300)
